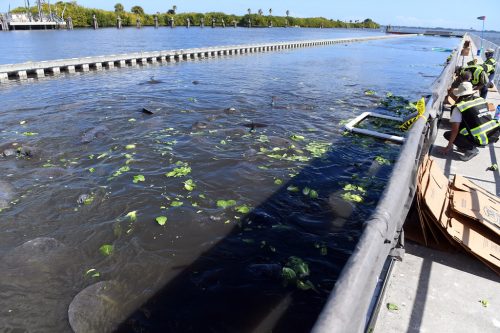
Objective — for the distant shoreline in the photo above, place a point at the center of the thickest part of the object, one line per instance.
(83, 17)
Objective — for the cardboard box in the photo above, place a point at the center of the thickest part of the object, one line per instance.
(476, 203)
(460, 213)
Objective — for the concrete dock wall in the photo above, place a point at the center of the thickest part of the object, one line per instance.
(40, 69)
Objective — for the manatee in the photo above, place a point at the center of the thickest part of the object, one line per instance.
(10, 152)
(94, 133)
(230, 110)
(100, 307)
(279, 142)
(81, 199)
(252, 126)
(195, 82)
(38, 251)
(43, 274)
(212, 117)
(199, 125)
(147, 111)
(51, 172)
(6, 194)
(152, 81)
(250, 152)
(28, 151)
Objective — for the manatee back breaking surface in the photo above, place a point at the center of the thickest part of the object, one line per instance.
(37, 280)
(98, 308)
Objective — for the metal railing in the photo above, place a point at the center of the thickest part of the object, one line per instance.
(347, 309)
(486, 44)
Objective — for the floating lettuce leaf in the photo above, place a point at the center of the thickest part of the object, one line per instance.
(179, 172)
(304, 285)
(29, 133)
(130, 146)
(299, 266)
(243, 209)
(176, 203)
(296, 137)
(278, 181)
(355, 188)
(382, 161)
(288, 275)
(138, 178)
(92, 273)
(91, 170)
(225, 203)
(318, 149)
(484, 303)
(189, 185)
(348, 196)
(370, 92)
(392, 307)
(292, 188)
(106, 249)
(132, 215)
(161, 220)
(313, 194)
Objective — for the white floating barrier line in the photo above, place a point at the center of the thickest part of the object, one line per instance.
(42, 68)
(351, 127)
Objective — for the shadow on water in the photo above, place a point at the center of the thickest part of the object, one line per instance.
(238, 284)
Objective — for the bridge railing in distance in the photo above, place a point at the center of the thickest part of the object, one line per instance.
(487, 45)
(347, 309)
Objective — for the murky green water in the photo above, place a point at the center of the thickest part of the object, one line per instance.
(242, 207)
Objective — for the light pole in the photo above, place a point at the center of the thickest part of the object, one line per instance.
(482, 18)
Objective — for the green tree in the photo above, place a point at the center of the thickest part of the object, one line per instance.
(137, 10)
(119, 8)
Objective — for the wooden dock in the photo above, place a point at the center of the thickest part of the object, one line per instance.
(40, 69)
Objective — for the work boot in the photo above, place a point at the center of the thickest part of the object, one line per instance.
(468, 154)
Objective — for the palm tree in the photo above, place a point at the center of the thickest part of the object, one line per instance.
(270, 11)
(249, 11)
(287, 13)
(260, 12)
(174, 8)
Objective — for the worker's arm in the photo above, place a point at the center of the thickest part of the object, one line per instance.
(455, 127)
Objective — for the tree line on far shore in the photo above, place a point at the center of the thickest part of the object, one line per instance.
(82, 17)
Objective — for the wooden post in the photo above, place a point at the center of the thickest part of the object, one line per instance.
(156, 22)
(213, 22)
(202, 22)
(69, 23)
(188, 22)
(118, 22)
(223, 23)
(138, 23)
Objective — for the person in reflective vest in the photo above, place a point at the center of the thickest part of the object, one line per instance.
(490, 61)
(471, 124)
(479, 77)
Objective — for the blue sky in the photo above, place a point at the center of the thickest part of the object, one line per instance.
(428, 13)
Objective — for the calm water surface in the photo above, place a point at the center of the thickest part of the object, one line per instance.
(248, 204)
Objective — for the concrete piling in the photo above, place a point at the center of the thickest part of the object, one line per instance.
(71, 69)
(40, 73)
(98, 66)
(85, 67)
(4, 77)
(23, 75)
